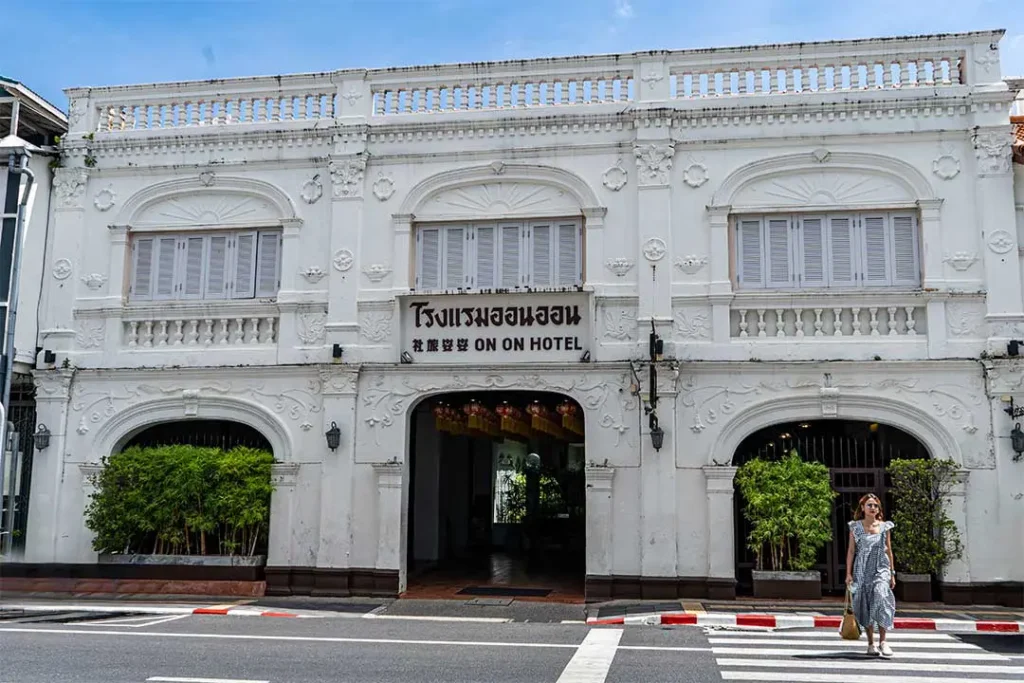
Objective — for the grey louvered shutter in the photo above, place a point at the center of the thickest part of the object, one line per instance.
(486, 257)
(454, 271)
(750, 254)
(218, 277)
(905, 260)
(568, 269)
(510, 251)
(244, 282)
(165, 260)
(540, 255)
(842, 251)
(268, 264)
(194, 252)
(813, 265)
(779, 249)
(428, 259)
(875, 250)
(142, 269)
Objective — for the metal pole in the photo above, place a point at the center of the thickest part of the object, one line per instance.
(21, 167)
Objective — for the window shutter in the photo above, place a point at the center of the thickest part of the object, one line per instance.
(875, 250)
(165, 279)
(540, 255)
(511, 255)
(428, 267)
(750, 254)
(217, 279)
(780, 251)
(904, 250)
(454, 258)
(842, 254)
(244, 281)
(812, 252)
(268, 269)
(194, 257)
(142, 269)
(486, 263)
(568, 261)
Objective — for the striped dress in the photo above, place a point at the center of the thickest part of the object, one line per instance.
(874, 605)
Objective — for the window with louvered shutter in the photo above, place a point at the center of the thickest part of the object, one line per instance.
(842, 251)
(510, 251)
(268, 264)
(194, 251)
(813, 266)
(750, 248)
(166, 266)
(486, 257)
(428, 261)
(905, 260)
(779, 249)
(454, 258)
(568, 261)
(244, 280)
(540, 255)
(217, 267)
(142, 269)
(875, 251)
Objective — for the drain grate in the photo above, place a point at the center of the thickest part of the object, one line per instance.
(490, 602)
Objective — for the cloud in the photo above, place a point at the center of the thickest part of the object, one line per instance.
(624, 9)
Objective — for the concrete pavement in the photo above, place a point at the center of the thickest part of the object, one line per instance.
(182, 648)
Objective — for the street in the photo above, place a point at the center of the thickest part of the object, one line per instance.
(215, 649)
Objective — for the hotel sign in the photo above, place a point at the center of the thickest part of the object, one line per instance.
(496, 328)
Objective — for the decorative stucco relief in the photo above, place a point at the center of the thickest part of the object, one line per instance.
(376, 272)
(105, 198)
(961, 260)
(337, 380)
(311, 326)
(313, 274)
(653, 163)
(695, 174)
(383, 187)
(312, 190)
(343, 260)
(52, 384)
(822, 188)
(62, 269)
(1001, 241)
(208, 208)
(993, 152)
(347, 177)
(616, 177)
(620, 266)
(93, 407)
(207, 178)
(691, 264)
(619, 322)
(387, 397)
(69, 186)
(375, 326)
(693, 323)
(501, 198)
(946, 166)
(94, 281)
(655, 249)
(965, 320)
(90, 334)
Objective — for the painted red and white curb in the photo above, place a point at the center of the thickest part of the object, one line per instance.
(781, 621)
(222, 610)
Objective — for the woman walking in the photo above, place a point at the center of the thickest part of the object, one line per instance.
(869, 572)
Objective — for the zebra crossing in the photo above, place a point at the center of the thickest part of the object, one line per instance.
(820, 656)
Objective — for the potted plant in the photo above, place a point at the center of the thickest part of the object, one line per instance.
(925, 539)
(789, 506)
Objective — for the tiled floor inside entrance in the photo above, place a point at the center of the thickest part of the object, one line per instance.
(497, 577)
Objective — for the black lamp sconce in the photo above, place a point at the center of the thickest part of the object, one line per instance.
(657, 433)
(585, 358)
(406, 358)
(336, 352)
(1016, 434)
(42, 438)
(333, 436)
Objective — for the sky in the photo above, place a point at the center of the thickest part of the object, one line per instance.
(69, 43)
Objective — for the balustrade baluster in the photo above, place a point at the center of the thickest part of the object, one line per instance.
(133, 334)
(238, 330)
(911, 323)
(207, 332)
(222, 336)
(799, 322)
(193, 332)
(743, 322)
(760, 323)
(874, 321)
(892, 321)
(856, 322)
(818, 322)
(271, 333)
(178, 335)
(254, 331)
(161, 335)
(954, 70)
(147, 333)
(837, 322)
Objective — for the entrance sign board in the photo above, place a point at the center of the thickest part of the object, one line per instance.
(528, 328)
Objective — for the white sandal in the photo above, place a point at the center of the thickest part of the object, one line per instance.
(885, 650)
(872, 650)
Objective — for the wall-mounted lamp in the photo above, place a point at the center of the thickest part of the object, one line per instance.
(333, 437)
(336, 352)
(42, 438)
(406, 357)
(1017, 441)
(657, 433)
(585, 358)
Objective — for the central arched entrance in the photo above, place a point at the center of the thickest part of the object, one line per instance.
(857, 454)
(496, 502)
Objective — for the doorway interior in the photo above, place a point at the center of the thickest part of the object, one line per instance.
(497, 497)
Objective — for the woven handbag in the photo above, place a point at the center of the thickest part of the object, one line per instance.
(849, 629)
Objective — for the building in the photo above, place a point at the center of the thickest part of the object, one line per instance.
(452, 264)
(27, 122)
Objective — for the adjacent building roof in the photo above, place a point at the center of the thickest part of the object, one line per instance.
(1017, 118)
(38, 120)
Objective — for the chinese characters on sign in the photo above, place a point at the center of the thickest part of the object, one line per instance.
(542, 327)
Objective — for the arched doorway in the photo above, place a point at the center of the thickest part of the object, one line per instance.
(857, 454)
(497, 496)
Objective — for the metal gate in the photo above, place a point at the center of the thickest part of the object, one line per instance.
(857, 455)
(18, 477)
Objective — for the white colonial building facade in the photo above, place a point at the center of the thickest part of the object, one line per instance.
(818, 239)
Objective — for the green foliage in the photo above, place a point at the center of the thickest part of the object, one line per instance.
(788, 503)
(182, 500)
(925, 539)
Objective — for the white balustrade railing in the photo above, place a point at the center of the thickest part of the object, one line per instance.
(481, 92)
(217, 110)
(238, 331)
(805, 74)
(763, 321)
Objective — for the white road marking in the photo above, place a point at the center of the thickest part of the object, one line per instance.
(821, 652)
(593, 659)
(403, 617)
(796, 677)
(130, 622)
(827, 634)
(835, 642)
(874, 665)
(171, 679)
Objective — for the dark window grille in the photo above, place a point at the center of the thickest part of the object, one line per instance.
(205, 433)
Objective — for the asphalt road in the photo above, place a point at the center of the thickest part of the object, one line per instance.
(217, 649)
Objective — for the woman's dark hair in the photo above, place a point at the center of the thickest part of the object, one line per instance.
(859, 512)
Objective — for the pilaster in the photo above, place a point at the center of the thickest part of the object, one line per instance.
(402, 252)
(593, 225)
(720, 553)
(931, 244)
(720, 287)
(347, 188)
(389, 513)
(338, 385)
(281, 550)
(959, 571)
(69, 189)
(600, 520)
(53, 392)
(654, 216)
(659, 520)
